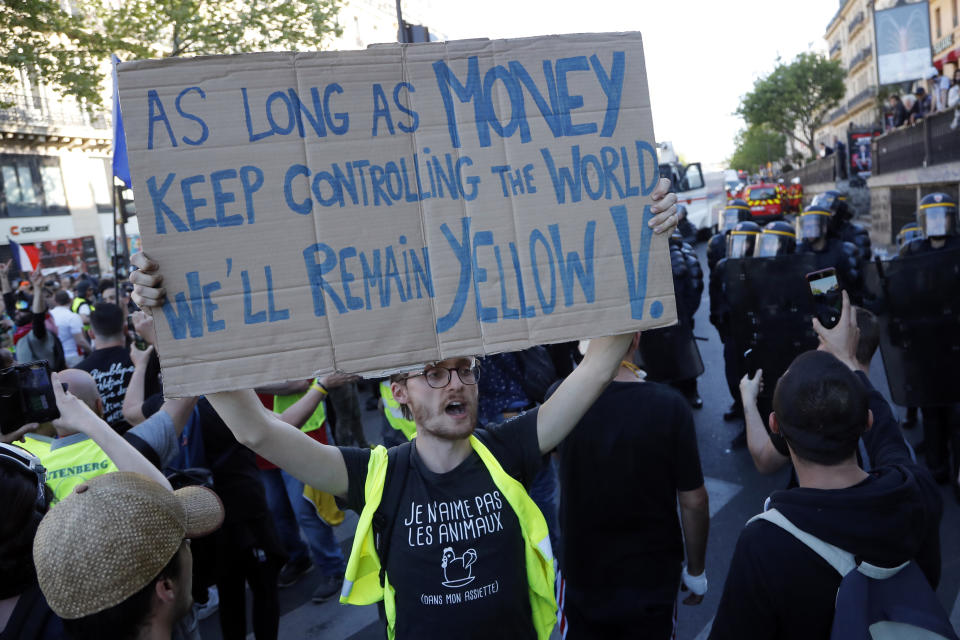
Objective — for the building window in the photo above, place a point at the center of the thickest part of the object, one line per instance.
(936, 21)
(956, 19)
(31, 186)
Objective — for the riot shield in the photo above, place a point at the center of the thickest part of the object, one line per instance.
(919, 300)
(771, 312)
(669, 354)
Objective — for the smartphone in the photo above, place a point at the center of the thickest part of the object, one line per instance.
(828, 301)
(750, 361)
(26, 395)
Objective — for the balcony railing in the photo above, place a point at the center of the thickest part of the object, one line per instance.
(856, 22)
(20, 109)
(930, 142)
(835, 48)
(864, 54)
(869, 92)
(837, 113)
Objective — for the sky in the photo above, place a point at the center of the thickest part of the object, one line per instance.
(702, 55)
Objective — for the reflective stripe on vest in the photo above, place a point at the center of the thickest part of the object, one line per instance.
(394, 412)
(282, 403)
(361, 584)
(70, 464)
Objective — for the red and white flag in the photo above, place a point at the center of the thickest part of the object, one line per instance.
(27, 258)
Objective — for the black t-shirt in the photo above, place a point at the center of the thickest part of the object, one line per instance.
(620, 470)
(112, 369)
(456, 556)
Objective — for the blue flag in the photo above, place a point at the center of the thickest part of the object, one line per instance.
(121, 164)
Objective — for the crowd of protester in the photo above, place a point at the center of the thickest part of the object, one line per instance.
(135, 516)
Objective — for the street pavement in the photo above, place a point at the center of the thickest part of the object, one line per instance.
(736, 491)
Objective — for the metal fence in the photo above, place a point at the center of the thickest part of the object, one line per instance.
(17, 108)
(929, 142)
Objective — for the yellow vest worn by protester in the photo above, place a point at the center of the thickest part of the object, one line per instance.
(324, 503)
(314, 422)
(394, 412)
(69, 461)
(361, 583)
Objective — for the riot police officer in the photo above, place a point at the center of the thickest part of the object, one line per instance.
(741, 241)
(937, 221)
(736, 211)
(841, 224)
(813, 232)
(670, 354)
(777, 239)
(687, 231)
(907, 233)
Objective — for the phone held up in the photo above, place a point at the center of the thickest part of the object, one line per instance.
(26, 395)
(827, 297)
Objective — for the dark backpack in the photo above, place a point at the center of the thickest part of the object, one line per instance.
(875, 603)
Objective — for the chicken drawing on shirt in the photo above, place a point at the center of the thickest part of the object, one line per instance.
(457, 572)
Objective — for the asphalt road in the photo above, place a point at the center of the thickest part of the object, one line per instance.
(737, 492)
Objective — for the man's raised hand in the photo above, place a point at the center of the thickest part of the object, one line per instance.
(664, 208)
(147, 281)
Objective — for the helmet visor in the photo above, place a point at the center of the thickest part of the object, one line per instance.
(823, 200)
(938, 221)
(812, 226)
(729, 219)
(768, 245)
(740, 244)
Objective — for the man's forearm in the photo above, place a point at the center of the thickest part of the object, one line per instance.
(122, 452)
(300, 411)
(696, 527)
(765, 456)
(561, 413)
(133, 399)
(318, 465)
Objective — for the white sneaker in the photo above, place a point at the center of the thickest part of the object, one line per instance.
(956, 120)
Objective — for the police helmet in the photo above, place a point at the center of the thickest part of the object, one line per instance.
(937, 216)
(836, 202)
(813, 223)
(743, 239)
(736, 211)
(777, 239)
(907, 233)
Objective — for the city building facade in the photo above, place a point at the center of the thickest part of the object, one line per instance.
(851, 39)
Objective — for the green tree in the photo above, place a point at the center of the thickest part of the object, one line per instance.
(62, 50)
(795, 98)
(67, 51)
(151, 28)
(757, 145)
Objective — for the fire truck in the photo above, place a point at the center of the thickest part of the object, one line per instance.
(766, 201)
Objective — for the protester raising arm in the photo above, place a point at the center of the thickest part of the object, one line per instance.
(765, 456)
(133, 399)
(75, 415)
(299, 412)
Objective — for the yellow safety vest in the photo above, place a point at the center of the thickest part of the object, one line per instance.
(77, 303)
(69, 461)
(361, 583)
(323, 502)
(394, 412)
(314, 422)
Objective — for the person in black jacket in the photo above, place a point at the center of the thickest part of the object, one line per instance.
(779, 588)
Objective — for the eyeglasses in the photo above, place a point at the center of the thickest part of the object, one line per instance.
(32, 464)
(439, 377)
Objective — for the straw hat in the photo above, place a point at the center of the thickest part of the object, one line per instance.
(112, 537)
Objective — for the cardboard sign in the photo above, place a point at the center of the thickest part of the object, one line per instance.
(371, 210)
